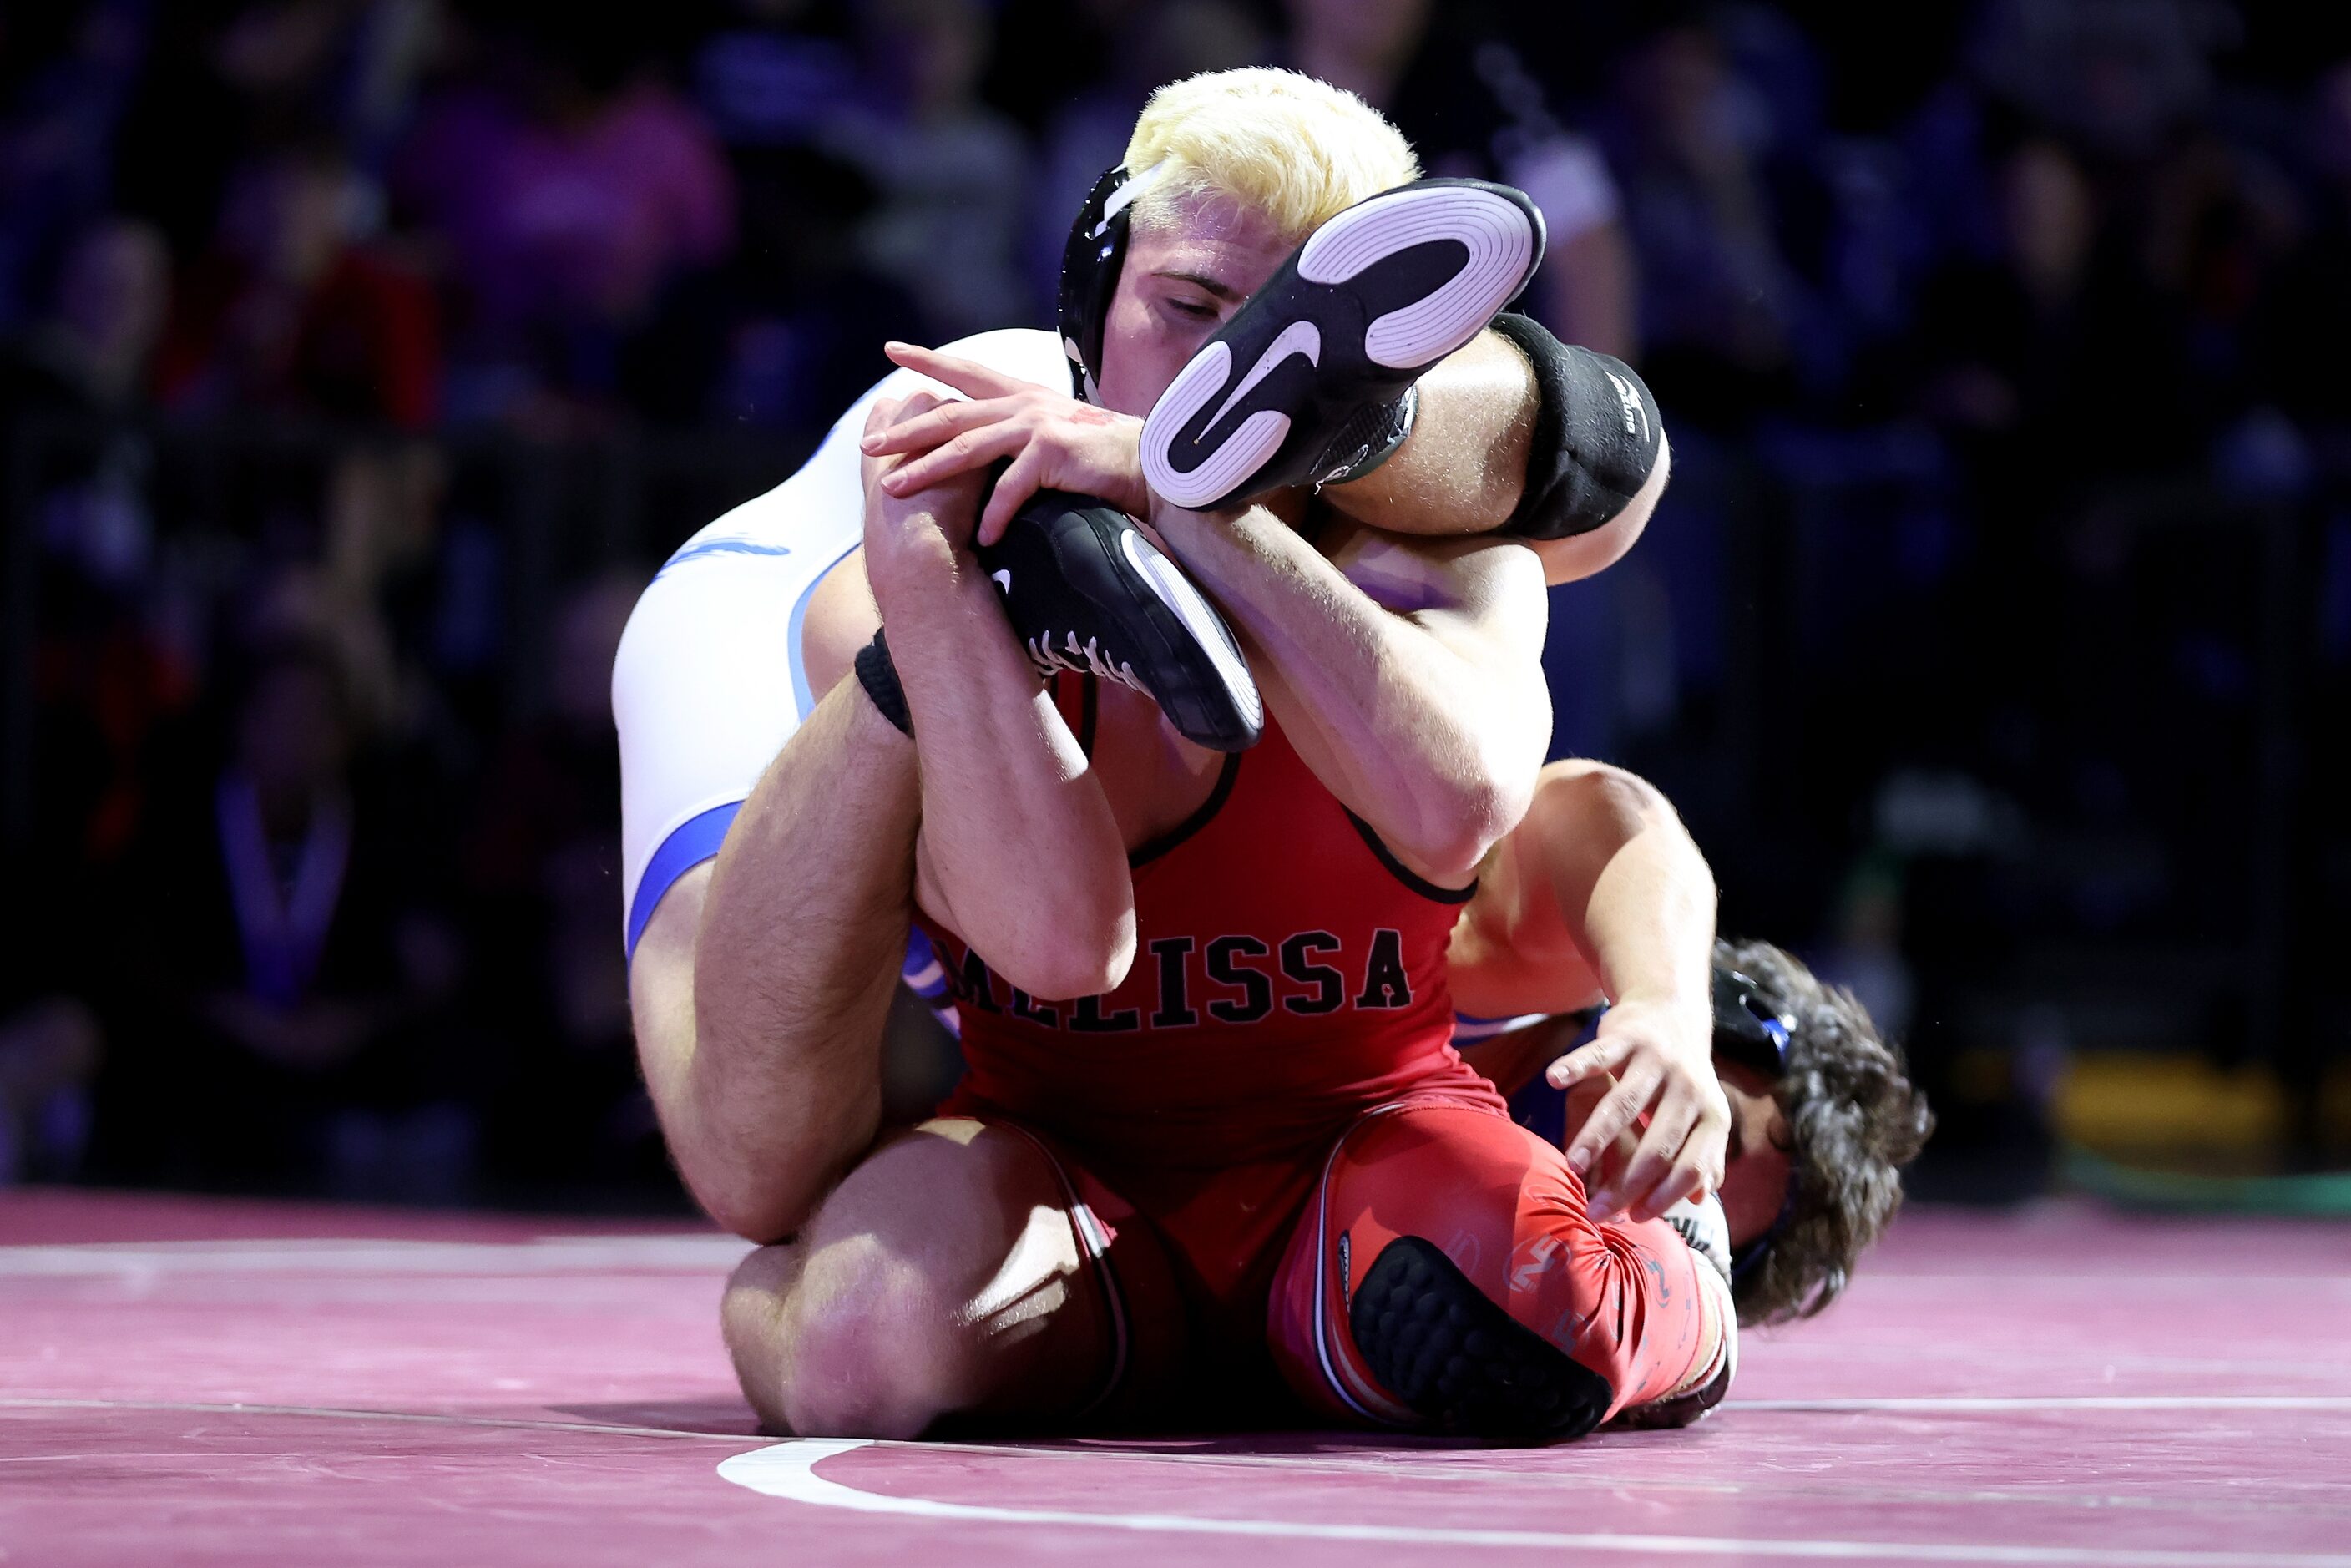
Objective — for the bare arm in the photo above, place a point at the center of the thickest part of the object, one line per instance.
(1427, 719)
(1464, 466)
(765, 1067)
(1599, 894)
(1017, 852)
(1602, 891)
(775, 1087)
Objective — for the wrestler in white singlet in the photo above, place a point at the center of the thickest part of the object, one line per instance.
(709, 682)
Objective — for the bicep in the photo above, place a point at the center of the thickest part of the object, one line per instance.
(1480, 599)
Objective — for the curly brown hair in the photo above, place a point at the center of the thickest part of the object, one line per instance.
(1855, 1118)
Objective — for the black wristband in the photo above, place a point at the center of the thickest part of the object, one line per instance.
(1596, 435)
(878, 677)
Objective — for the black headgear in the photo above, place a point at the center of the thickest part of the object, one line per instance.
(1745, 1028)
(1090, 265)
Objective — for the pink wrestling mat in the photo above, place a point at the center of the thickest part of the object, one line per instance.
(188, 1382)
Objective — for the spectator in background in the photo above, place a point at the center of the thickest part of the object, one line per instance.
(777, 73)
(954, 174)
(574, 188)
(2120, 79)
(49, 1048)
(105, 673)
(543, 866)
(282, 980)
(789, 328)
(790, 331)
(2054, 357)
(227, 78)
(1460, 90)
(66, 72)
(291, 314)
(1151, 44)
(1719, 298)
(92, 351)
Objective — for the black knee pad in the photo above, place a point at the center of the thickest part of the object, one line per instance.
(1596, 437)
(1463, 1364)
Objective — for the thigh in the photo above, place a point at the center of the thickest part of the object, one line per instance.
(1503, 1207)
(958, 1271)
(711, 679)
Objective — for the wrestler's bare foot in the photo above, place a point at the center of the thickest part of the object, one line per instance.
(942, 1277)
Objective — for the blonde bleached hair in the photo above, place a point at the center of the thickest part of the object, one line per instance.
(1294, 150)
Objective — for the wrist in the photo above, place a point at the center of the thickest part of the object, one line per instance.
(916, 576)
(1668, 998)
(1132, 494)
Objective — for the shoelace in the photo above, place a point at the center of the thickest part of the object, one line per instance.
(1088, 660)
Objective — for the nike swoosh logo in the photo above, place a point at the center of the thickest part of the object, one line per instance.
(1636, 419)
(1003, 581)
(1297, 338)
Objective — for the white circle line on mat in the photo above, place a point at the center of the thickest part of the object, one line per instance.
(788, 1470)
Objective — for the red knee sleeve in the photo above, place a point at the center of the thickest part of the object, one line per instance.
(1623, 1299)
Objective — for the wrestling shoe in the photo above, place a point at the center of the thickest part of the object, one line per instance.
(1085, 590)
(1308, 383)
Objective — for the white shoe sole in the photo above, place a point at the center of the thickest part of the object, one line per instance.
(1501, 241)
(1176, 592)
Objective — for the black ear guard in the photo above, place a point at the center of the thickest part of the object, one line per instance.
(1089, 264)
(1745, 1028)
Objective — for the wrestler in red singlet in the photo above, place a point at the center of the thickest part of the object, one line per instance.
(1286, 1028)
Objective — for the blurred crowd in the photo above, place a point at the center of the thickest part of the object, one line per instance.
(2007, 561)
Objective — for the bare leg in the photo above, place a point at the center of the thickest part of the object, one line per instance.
(944, 1276)
(1464, 466)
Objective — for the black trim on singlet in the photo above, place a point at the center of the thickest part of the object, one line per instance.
(1088, 713)
(1195, 821)
(1403, 874)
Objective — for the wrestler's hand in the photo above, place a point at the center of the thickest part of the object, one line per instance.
(1054, 441)
(1660, 1056)
(916, 529)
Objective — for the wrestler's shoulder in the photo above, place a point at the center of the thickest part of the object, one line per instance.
(1032, 354)
(821, 491)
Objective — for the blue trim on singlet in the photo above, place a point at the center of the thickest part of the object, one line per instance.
(692, 843)
(699, 839)
(730, 545)
(922, 970)
(802, 699)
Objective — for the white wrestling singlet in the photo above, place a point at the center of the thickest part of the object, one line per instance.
(709, 682)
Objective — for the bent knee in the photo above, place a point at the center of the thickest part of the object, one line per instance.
(852, 1341)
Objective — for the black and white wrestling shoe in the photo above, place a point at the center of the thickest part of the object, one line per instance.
(1308, 383)
(1085, 590)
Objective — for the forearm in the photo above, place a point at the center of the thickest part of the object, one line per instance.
(1599, 894)
(1644, 917)
(798, 947)
(1434, 742)
(1464, 467)
(1018, 850)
